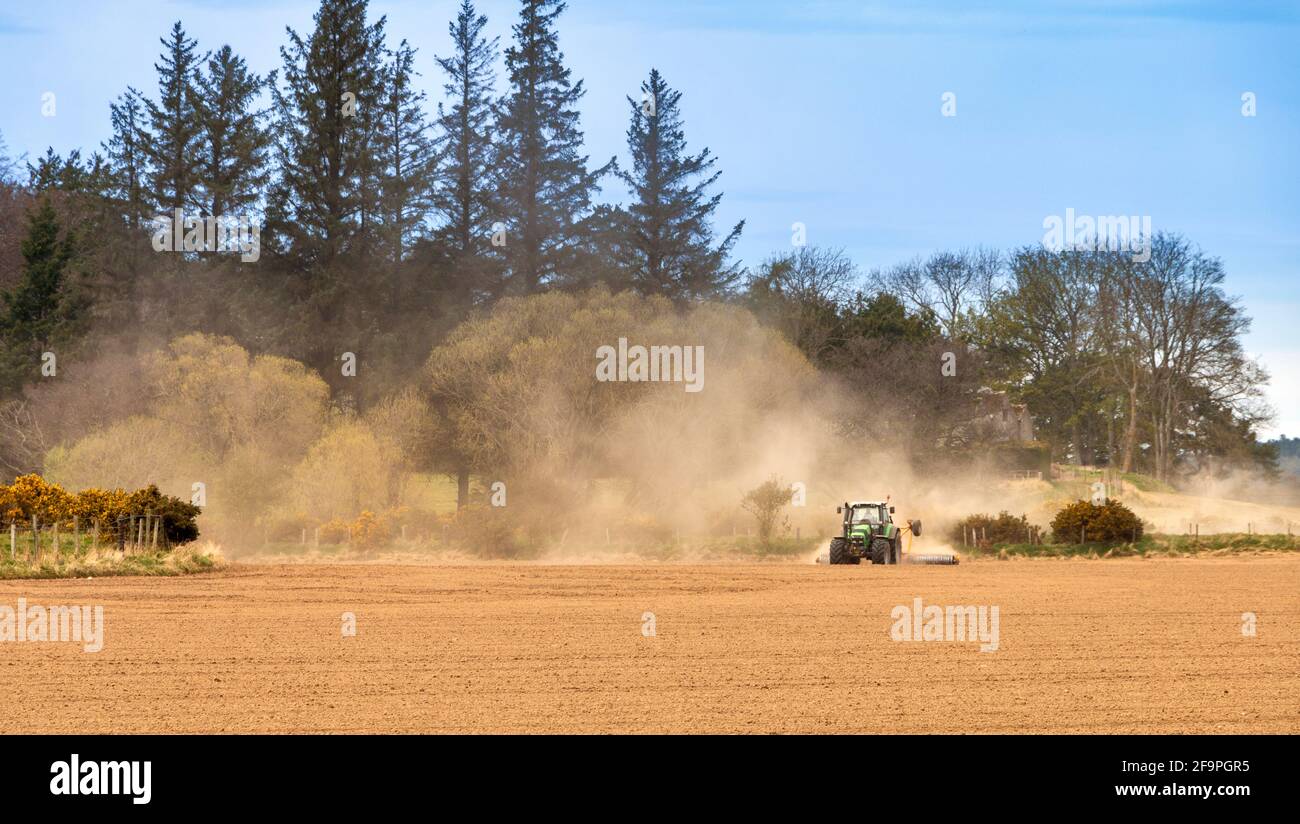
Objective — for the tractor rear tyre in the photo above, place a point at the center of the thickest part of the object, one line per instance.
(840, 552)
(881, 549)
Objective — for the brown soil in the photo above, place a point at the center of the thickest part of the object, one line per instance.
(1085, 646)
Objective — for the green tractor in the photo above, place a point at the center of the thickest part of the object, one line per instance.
(870, 532)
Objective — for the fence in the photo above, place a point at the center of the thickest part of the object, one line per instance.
(36, 543)
(1026, 475)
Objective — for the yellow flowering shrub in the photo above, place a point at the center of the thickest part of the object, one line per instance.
(370, 531)
(32, 495)
(334, 531)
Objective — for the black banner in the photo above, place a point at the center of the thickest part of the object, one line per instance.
(144, 774)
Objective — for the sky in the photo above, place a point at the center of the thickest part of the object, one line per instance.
(831, 114)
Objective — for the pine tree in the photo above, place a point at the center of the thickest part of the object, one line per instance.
(233, 142)
(41, 312)
(406, 156)
(324, 201)
(545, 187)
(70, 174)
(668, 244)
(465, 192)
(127, 159)
(174, 124)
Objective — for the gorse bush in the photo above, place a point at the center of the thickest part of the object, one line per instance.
(986, 530)
(31, 496)
(179, 518)
(1084, 521)
(334, 531)
(369, 532)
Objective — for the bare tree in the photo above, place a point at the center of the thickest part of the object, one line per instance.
(952, 285)
(1189, 333)
(802, 293)
(1048, 314)
(1118, 312)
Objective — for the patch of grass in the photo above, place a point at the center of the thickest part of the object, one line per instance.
(1158, 545)
(1146, 483)
(431, 491)
(1087, 475)
(104, 564)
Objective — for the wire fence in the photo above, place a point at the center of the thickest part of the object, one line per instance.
(35, 542)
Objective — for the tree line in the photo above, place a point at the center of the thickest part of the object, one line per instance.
(387, 223)
(378, 213)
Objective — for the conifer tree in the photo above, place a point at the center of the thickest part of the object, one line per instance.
(174, 126)
(42, 311)
(545, 187)
(323, 203)
(233, 142)
(405, 155)
(465, 191)
(127, 158)
(668, 242)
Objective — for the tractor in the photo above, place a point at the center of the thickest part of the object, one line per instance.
(870, 532)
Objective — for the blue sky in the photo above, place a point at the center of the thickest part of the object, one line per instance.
(829, 113)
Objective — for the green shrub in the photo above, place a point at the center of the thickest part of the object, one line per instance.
(179, 518)
(485, 530)
(765, 502)
(334, 531)
(986, 530)
(369, 531)
(1086, 522)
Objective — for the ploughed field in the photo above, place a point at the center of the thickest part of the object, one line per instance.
(1082, 646)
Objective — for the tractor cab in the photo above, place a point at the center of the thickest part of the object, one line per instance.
(874, 514)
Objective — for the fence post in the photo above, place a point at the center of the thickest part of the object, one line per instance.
(54, 541)
(36, 543)
(76, 535)
(157, 519)
(94, 538)
(13, 539)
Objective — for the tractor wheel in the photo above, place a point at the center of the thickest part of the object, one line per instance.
(840, 552)
(898, 550)
(881, 550)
